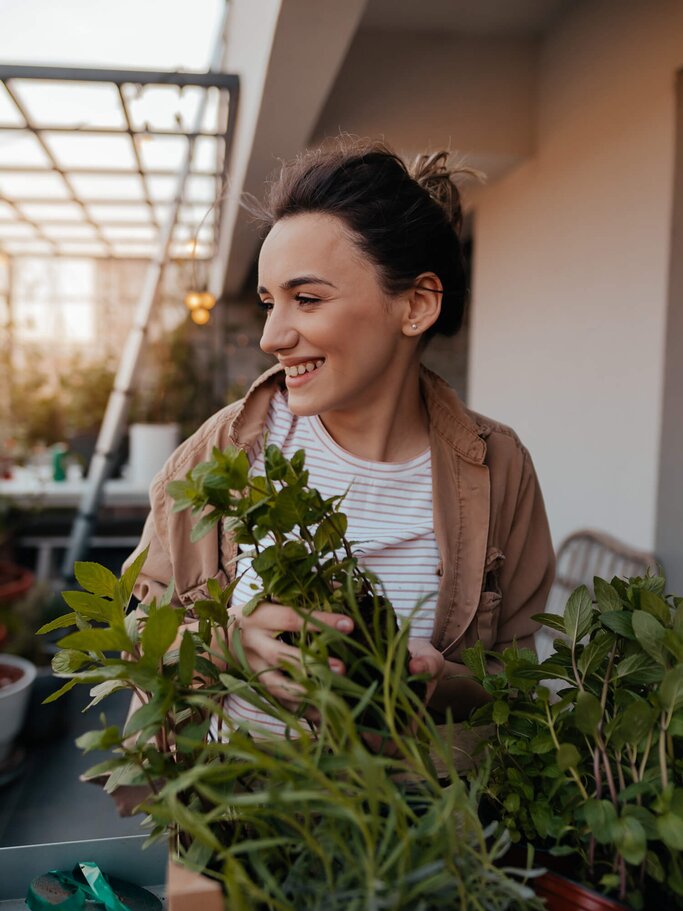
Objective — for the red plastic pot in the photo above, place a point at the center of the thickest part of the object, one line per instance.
(562, 894)
(15, 582)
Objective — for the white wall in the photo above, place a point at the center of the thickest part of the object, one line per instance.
(571, 264)
(433, 90)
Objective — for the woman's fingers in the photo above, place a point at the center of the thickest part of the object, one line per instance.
(281, 619)
(425, 659)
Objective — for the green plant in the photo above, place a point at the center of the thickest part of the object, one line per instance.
(316, 819)
(19, 620)
(598, 772)
(176, 381)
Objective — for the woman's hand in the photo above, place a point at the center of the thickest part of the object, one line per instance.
(264, 652)
(425, 659)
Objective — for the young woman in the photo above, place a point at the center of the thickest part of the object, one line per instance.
(361, 265)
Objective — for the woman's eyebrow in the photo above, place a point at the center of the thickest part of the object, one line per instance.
(299, 280)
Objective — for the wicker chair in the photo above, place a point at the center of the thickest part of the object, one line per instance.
(582, 556)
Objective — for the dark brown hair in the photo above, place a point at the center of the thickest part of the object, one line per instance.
(405, 218)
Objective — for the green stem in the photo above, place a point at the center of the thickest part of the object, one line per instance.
(663, 768)
(646, 755)
(572, 770)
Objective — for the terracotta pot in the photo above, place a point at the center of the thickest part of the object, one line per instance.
(562, 894)
(15, 582)
(188, 891)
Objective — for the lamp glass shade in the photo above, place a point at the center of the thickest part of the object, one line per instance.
(193, 300)
(200, 316)
(208, 300)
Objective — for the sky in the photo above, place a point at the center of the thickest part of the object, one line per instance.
(146, 34)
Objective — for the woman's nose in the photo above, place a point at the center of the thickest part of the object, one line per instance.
(278, 332)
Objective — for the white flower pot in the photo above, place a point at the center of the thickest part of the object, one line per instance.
(150, 446)
(14, 701)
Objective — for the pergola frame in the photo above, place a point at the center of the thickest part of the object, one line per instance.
(226, 82)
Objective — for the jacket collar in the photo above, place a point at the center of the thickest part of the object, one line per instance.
(448, 417)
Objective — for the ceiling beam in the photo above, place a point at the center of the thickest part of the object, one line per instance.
(287, 54)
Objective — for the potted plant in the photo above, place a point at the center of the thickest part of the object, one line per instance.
(16, 678)
(344, 811)
(19, 620)
(595, 775)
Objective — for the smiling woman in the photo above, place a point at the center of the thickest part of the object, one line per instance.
(360, 266)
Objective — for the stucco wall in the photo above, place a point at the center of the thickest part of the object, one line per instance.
(570, 268)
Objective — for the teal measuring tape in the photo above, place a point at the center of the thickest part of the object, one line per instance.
(87, 888)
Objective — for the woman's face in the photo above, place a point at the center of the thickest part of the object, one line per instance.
(328, 321)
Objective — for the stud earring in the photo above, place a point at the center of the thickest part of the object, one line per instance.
(413, 325)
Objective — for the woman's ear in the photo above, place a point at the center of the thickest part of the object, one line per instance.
(423, 304)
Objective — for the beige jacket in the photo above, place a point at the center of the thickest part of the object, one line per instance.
(497, 561)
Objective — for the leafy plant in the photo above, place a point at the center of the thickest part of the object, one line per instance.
(296, 541)
(598, 773)
(316, 819)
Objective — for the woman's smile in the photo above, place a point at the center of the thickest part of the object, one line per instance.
(328, 321)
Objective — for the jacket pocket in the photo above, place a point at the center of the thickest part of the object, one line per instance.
(487, 617)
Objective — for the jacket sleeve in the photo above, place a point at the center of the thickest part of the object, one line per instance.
(528, 570)
(157, 570)
(518, 578)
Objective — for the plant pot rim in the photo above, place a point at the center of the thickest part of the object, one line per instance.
(27, 668)
(607, 902)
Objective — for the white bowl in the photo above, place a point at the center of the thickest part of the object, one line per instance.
(14, 701)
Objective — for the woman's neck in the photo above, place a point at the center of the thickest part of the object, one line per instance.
(391, 427)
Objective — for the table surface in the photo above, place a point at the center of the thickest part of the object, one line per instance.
(30, 490)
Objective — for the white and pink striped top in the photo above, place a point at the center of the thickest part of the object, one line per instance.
(390, 521)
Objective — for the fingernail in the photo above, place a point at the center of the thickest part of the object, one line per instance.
(345, 625)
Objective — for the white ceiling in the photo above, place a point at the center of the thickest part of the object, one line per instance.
(469, 17)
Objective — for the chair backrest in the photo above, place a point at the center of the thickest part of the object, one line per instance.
(582, 556)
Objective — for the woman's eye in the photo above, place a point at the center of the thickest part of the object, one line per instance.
(304, 299)
(266, 306)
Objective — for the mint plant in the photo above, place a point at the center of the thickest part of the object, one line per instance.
(297, 544)
(598, 773)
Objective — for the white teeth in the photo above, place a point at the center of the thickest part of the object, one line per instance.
(300, 369)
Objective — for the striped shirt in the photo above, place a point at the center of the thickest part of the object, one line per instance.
(390, 523)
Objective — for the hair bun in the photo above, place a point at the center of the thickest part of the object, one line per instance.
(433, 174)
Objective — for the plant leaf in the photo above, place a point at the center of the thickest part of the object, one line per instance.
(601, 818)
(186, 659)
(98, 640)
(204, 525)
(501, 712)
(567, 757)
(95, 578)
(588, 713)
(606, 596)
(656, 606)
(129, 578)
(649, 632)
(670, 830)
(671, 689)
(636, 721)
(70, 684)
(58, 623)
(552, 621)
(578, 614)
(630, 839)
(159, 633)
(619, 622)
